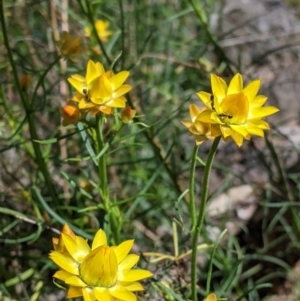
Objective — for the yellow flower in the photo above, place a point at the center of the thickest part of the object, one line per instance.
(100, 91)
(69, 46)
(100, 272)
(102, 30)
(127, 115)
(202, 131)
(70, 114)
(237, 110)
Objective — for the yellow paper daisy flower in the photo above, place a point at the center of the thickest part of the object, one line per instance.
(99, 272)
(100, 90)
(102, 30)
(236, 109)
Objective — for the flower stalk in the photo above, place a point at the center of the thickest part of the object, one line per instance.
(111, 211)
(192, 187)
(200, 218)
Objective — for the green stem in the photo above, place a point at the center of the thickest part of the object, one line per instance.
(192, 187)
(123, 32)
(30, 117)
(41, 79)
(111, 211)
(198, 228)
(102, 164)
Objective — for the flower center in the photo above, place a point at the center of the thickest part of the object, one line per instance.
(233, 109)
(100, 267)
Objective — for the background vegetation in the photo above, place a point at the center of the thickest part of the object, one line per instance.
(170, 49)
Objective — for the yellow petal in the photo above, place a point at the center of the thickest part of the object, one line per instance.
(102, 294)
(92, 71)
(128, 262)
(237, 138)
(252, 89)
(205, 98)
(88, 294)
(262, 112)
(133, 275)
(134, 287)
(67, 230)
(100, 68)
(123, 249)
(122, 293)
(117, 80)
(187, 123)
(101, 90)
(83, 104)
(78, 82)
(117, 102)
(99, 239)
(258, 101)
(226, 131)
(206, 116)
(62, 275)
(218, 86)
(260, 124)
(104, 109)
(75, 281)
(74, 292)
(194, 112)
(78, 249)
(239, 129)
(235, 85)
(122, 90)
(215, 130)
(254, 130)
(200, 128)
(65, 262)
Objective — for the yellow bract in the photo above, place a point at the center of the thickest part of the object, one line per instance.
(99, 272)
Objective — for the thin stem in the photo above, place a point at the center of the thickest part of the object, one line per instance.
(30, 117)
(123, 33)
(102, 163)
(112, 211)
(192, 187)
(200, 218)
(175, 239)
(42, 78)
